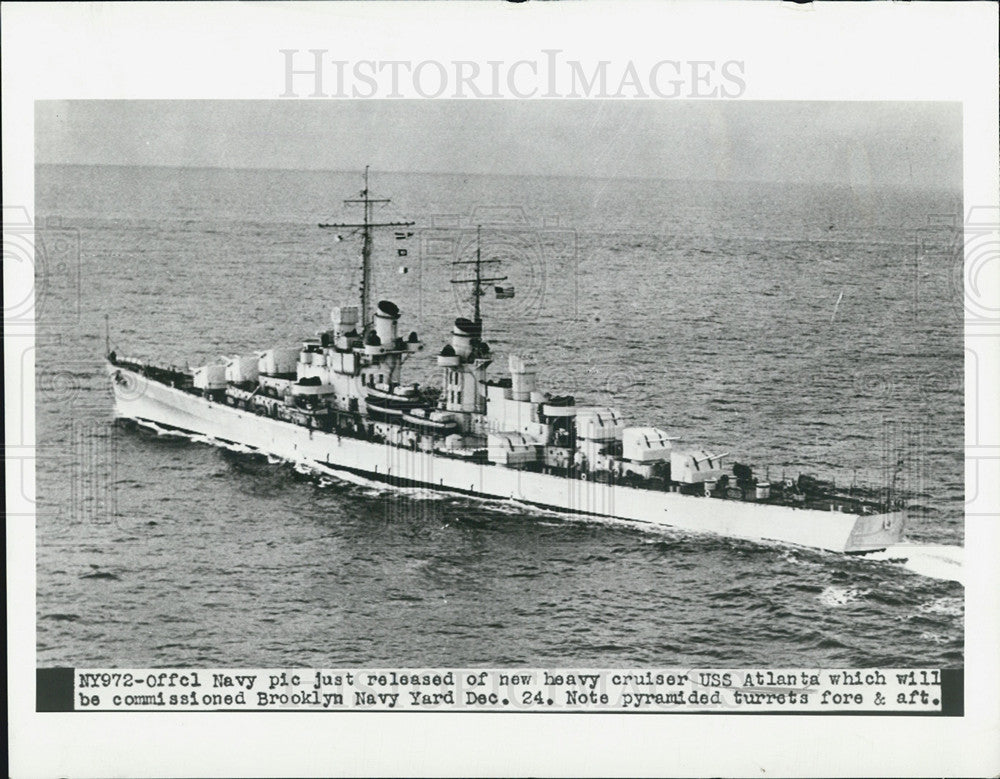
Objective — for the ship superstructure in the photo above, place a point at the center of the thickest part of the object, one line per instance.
(339, 403)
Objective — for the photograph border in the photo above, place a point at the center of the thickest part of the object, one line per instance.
(81, 51)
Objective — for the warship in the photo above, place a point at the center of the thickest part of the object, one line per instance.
(338, 404)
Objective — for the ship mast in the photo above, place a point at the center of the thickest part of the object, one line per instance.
(478, 281)
(367, 225)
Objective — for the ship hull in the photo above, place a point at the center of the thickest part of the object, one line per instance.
(145, 401)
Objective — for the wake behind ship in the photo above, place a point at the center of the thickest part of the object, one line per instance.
(338, 403)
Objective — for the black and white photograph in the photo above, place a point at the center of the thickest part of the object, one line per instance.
(347, 388)
(501, 388)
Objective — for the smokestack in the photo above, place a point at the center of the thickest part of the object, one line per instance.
(462, 336)
(386, 316)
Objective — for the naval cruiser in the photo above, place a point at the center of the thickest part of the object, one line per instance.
(338, 404)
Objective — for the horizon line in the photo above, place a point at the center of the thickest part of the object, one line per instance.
(940, 187)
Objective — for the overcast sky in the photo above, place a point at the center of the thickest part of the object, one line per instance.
(878, 144)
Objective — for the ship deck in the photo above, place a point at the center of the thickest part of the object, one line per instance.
(805, 492)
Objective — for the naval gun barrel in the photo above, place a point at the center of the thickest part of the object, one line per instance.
(710, 457)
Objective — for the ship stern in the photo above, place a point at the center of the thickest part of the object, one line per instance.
(875, 532)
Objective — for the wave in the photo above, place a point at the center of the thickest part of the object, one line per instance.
(198, 438)
(947, 607)
(943, 562)
(935, 562)
(162, 432)
(61, 617)
(834, 596)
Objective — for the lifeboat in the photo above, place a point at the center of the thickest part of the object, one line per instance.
(400, 398)
(435, 423)
(380, 414)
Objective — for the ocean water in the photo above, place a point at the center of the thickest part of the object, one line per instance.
(802, 328)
